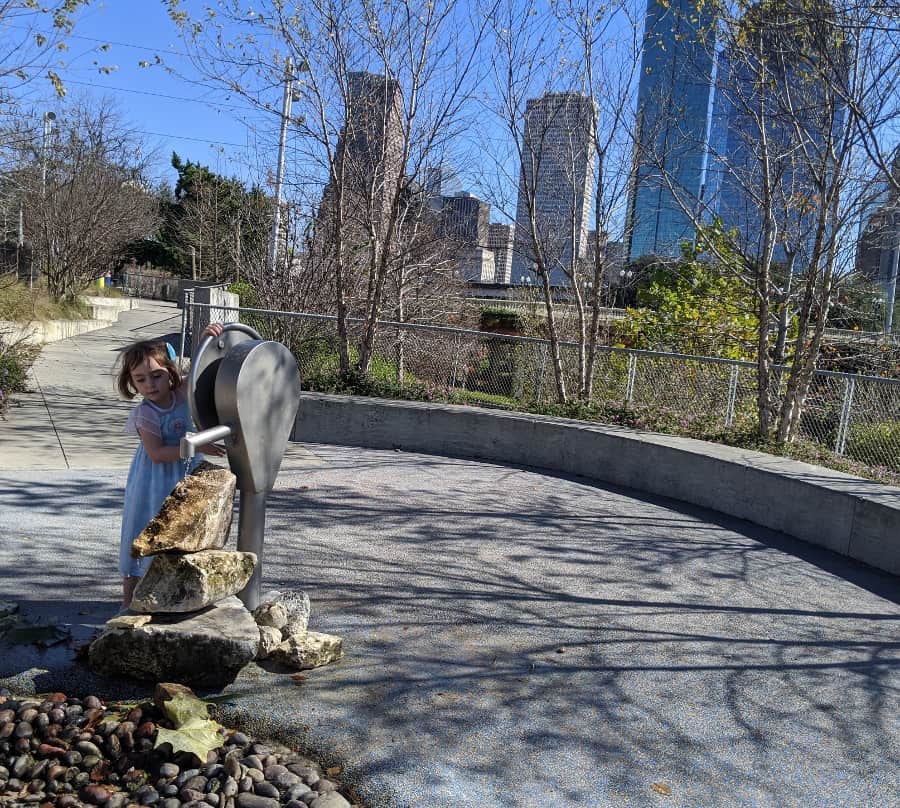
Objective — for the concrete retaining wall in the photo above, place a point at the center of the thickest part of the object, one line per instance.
(849, 515)
(104, 310)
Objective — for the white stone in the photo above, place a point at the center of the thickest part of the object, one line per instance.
(312, 650)
(203, 648)
(270, 614)
(269, 639)
(186, 583)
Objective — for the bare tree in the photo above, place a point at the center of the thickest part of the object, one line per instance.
(381, 87)
(86, 197)
(794, 76)
(564, 82)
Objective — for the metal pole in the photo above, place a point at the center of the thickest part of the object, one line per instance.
(892, 290)
(732, 396)
(251, 527)
(632, 374)
(279, 173)
(844, 425)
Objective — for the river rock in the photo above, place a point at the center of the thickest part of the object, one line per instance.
(204, 648)
(185, 583)
(195, 516)
(312, 650)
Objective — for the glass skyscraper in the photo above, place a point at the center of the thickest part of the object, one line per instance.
(672, 121)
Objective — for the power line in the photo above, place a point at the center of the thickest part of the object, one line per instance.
(198, 139)
(158, 95)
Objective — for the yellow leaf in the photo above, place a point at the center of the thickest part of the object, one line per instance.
(661, 788)
(198, 736)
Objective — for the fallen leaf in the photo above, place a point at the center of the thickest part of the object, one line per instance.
(299, 678)
(194, 731)
(661, 788)
(334, 771)
(196, 736)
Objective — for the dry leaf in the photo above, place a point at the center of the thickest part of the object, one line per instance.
(333, 771)
(661, 788)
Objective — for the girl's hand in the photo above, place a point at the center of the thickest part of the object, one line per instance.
(211, 449)
(212, 330)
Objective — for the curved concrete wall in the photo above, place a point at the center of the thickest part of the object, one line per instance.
(849, 515)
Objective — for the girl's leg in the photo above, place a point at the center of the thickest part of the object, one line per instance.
(128, 586)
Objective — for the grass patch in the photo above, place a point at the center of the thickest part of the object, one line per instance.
(19, 304)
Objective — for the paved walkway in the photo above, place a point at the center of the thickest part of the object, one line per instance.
(513, 638)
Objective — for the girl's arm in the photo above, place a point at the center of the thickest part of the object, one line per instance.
(156, 450)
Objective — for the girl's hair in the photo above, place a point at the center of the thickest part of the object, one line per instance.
(140, 352)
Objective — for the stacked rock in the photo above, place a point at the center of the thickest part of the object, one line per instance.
(284, 637)
(185, 622)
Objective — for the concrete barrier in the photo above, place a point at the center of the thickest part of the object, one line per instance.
(103, 312)
(849, 515)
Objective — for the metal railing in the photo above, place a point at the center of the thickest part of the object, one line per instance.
(852, 416)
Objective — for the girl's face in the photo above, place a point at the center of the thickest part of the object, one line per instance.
(152, 381)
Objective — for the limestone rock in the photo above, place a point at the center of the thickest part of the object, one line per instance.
(296, 628)
(269, 639)
(270, 614)
(195, 516)
(186, 583)
(129, 621)
(206, 648)
(312, 650)
(295, 602)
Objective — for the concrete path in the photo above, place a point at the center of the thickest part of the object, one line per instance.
(512, 638)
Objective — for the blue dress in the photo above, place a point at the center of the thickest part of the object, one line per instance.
(150, 483)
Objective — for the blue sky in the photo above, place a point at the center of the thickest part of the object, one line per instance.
(171, 113)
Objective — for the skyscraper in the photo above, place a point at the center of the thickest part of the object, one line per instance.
(368, 159)
(750, 179)
(500, 242)
(555, 185)
(672, 122)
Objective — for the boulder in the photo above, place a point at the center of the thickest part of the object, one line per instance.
(195, 516)
(186, 583)
(269, 639)
(312, 650)
(205, 648)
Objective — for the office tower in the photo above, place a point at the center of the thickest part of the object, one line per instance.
(555, 182)
(878, 248)
(672, 119)
(500, 242)
(798, 123)
(464, 220)
(369, 152)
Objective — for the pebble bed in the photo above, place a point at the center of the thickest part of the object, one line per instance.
(68, 752)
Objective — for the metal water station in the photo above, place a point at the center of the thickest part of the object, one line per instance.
(244, 391)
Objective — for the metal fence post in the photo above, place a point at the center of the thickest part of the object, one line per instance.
(184, 326)
(455, 361)
(632, 373)
(732, 396)
(844, 425)
(539, 379)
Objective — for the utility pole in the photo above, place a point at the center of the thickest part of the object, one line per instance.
(279, 172)
(892, 282)
(49, 117)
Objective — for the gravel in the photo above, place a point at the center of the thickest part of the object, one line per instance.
(68, 752)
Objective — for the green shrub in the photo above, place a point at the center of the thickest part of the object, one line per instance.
(15, 359)
(875, 444)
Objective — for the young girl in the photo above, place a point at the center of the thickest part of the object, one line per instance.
(161, 420)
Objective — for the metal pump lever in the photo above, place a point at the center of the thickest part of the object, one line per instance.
(192, 440)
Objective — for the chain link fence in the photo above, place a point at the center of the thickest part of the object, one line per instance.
(852, 416)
